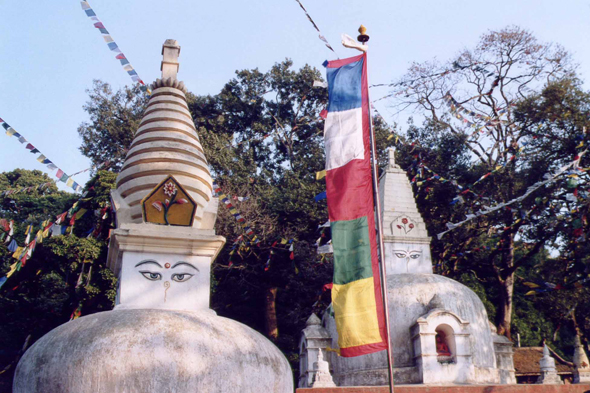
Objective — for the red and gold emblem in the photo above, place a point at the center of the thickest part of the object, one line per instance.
(169, 204)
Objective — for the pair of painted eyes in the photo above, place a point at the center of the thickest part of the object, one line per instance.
(413, 256)
(178, 277)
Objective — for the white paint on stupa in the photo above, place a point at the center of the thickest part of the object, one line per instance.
(421, 305)
(162, 336)
(166, 143)
(548, 371)
(406, 240)
(581, 363)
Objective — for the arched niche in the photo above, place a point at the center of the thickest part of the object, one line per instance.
(435, 367)
(445, 344)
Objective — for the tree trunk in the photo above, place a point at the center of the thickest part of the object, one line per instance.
(270, 313)
(504, 316)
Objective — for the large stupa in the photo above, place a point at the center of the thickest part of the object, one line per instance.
(440, 333)
(161, 336)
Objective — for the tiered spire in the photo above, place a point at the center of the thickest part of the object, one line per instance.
(166, 143)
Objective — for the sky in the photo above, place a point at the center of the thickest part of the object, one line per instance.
(50, 52)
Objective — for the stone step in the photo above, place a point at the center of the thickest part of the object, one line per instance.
(455, 389)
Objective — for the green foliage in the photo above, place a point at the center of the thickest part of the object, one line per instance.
(63, 272)
(114, 118)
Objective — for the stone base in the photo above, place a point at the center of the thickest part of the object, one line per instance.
(582, 376)
(549, 378)
(456, 389)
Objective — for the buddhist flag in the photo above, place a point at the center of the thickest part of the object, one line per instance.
(356, 294)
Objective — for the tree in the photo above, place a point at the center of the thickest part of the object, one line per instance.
(64, 273)
(481, 102)
(114, 118)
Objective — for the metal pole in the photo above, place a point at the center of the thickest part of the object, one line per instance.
(364, 38)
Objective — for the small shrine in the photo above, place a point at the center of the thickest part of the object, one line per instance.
(161, 336)
(440, 332)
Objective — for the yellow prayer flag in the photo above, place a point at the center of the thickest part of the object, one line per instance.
(390, 136)
(320, 175)
(70, 182)
(283, 241)
(18, 252)
(80, 213)
(41, 158)
(11, 131)
(12, 270)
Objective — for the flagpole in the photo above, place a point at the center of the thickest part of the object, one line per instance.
(363, 38)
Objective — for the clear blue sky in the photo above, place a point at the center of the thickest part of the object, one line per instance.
(50, 52)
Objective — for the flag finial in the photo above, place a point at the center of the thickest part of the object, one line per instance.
(363, 37)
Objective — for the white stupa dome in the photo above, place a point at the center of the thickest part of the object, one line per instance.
(153, 351)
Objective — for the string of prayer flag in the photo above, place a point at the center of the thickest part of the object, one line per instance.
(549, 179)
(114, 47)
(42, 158)
(40, 187)
(234, 212)
(321, 37)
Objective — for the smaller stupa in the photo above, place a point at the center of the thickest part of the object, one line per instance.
(581, 363)
(548, 371)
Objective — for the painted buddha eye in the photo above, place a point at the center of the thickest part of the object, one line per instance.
(400, 255)
(152, 276)
(415, 256)
(181, 277)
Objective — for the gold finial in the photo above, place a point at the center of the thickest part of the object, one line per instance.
(363, 37)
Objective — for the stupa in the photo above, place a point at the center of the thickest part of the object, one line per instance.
(440, 332)
(161, 336)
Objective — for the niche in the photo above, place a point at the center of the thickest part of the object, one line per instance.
(445, 345)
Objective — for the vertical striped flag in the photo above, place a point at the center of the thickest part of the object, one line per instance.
(356, 294)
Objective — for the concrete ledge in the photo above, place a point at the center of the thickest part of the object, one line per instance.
(456, 389)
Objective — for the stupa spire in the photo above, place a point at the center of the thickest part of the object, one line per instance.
(170, 64)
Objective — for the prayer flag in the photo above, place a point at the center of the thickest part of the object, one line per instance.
(85, 5)
(13, 268)
(41, 158)
(108, 38)
(80, 213)
(356, 295)
(320, 175)
(59, 173)
(64, 178)
(320, 196)
(90, 12)
(70, 182)
(51, 166)
(12, 246)
(10, 131)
